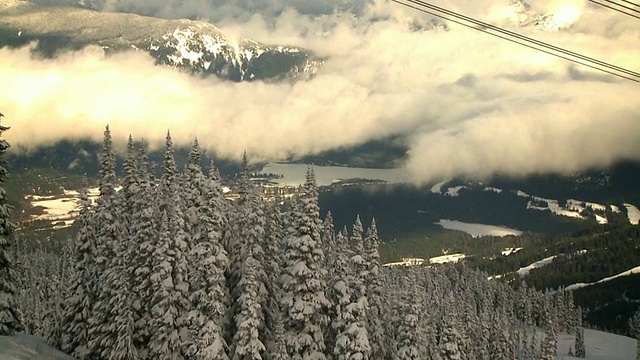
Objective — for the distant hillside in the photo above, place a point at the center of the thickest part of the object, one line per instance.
(195, 46)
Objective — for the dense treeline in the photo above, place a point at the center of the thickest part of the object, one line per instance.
(167, 268)
(405, 211)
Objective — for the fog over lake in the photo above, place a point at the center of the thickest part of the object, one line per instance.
(294, 174)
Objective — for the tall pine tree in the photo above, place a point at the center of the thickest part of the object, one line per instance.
(80, 295)
(303, 302)
(9, 317)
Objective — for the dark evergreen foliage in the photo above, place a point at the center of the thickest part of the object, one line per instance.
(170, 269)
(9, 316)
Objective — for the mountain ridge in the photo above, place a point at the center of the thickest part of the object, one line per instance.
(196, 46)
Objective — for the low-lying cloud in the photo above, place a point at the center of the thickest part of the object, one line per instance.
(468, 103)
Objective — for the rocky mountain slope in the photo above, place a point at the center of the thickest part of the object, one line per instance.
(195, 46)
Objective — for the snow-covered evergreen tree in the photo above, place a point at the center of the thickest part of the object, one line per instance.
(272, 245)
(549, 342)
(634, 325)
(9, 316)
(248, 243)
(303, 302)
(208, 258)
(143, 235)
(580, 349)
(170, 304)
(634, 330)
(108, 266)
(375, 293)
(80, 296)
(408, 334)
(352, 339)
(349, 335)
(249, 318)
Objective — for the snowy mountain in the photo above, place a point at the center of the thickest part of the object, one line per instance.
(195, 46)
(522, 14)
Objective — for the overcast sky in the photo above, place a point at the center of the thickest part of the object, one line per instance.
(469, 104)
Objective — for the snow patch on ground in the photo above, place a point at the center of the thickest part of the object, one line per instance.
(28, 347)
(543, 204)
(509, 251)
(635, 270)
(436, 260)
(477, 230)
(524, 271)
(407, 262)
(60, 210)
(495, 190)
(633, 214)
(602, 220)
(599, 345)
(454, 191)
(447, 259)
(437, 188)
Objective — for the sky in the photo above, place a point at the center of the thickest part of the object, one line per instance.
(467, 103)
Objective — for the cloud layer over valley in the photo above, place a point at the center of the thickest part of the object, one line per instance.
(468, 103)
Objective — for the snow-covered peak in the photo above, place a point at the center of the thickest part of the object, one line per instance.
(203, 48)
(559, 16)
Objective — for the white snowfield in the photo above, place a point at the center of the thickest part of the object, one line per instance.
(635, 270)
(447, 259)
(599, 346)
(509, 251)
(454, 191)
(436, 260)
(524, 271)
(437, 188)
(28, 347)
(478, 230)
(633, 214)
(64, 209)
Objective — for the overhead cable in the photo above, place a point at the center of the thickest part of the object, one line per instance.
(636, 11)
(520, 39)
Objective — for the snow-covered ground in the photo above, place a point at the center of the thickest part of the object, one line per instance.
(437, 188)
(454, 191)
(524, 271)
(509, 251)
(635, 270)
(599, 346)
(406, 262)
(59, 209)
(294, 174)
(477, 230)
(28, 347)
(633, 214)
(538, 203)
(447, 259)
(436, 260)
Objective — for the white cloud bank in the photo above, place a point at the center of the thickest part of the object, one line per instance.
(469, 103)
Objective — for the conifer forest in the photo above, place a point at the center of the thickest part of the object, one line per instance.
(165, 267)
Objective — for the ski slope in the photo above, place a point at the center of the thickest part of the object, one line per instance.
(600, 346)
(28, 347)
(635, 270)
